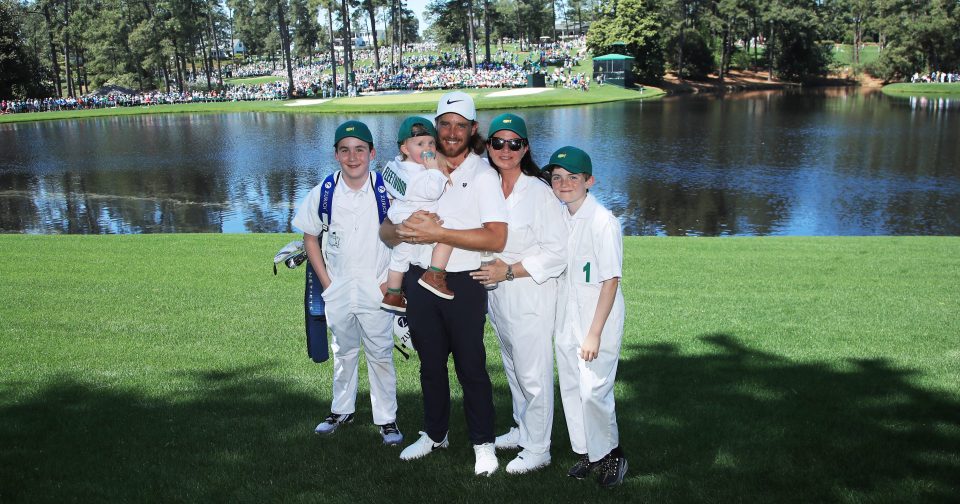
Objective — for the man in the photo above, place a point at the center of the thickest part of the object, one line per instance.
(351, 264)
(474, 217)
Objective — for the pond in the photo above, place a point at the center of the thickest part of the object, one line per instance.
(812, 162)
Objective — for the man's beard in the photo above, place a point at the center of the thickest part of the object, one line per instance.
(444, 149)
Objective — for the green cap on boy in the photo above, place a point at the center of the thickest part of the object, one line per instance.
(571, 159)
(354, 129)
(406, 128)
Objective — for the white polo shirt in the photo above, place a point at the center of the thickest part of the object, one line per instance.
(474, 198)
(352, 246)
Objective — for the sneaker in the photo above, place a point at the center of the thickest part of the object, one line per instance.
(391, 434)
(394, 303)
(436, 282)
(422, 447)
(611, 470)
(486, 459)
(333, 420)
(582, 468)
(527, 461)
(508, 441)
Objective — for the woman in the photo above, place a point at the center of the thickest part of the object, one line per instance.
(523, 304)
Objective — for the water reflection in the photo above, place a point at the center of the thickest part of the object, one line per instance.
(826, 162)
(821, 162)
(935, 104)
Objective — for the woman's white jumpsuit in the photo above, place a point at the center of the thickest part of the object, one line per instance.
(522, 311)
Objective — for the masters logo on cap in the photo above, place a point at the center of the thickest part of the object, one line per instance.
(459, 103)
(571, 159)
(355, 129)
(509, 122)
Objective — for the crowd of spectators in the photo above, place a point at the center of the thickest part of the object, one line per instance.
(255, 69)
(935, 76)
(422, 67)
(269, 91)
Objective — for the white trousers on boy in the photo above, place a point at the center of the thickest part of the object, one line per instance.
(373, 328)
(586, 391)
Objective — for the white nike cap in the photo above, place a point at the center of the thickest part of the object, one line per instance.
(459, 103)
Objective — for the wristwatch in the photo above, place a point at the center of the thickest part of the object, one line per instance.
(509, 275)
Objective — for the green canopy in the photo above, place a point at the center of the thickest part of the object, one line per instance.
(612, 57)
(616, 69)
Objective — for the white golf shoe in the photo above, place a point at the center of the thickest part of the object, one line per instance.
(527, 461)
(486, 459)
(422, 447)
(510, 440)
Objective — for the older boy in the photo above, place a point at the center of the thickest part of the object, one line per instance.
(351, 263)
(590, 313)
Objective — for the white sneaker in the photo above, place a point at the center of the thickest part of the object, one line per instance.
(509, 441)
(486, 459)
(422, 447)
(333, 420)
(391, 434)
(527, 461)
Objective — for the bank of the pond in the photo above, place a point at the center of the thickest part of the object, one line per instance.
(387, 102)
(734, 81)
(928, 89)
(752, 369)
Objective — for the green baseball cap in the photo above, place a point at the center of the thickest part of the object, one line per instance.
(354, 129)
(510, 122)
(571, 159)
(406, 128)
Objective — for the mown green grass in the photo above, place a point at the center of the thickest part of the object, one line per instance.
(171, 368)
(414, 102)
(923, 89)
(843, 54)
(253, 81)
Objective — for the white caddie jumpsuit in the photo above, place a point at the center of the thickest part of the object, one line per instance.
(594, 254)
(356, 261)
(522, 311)
(413, 187)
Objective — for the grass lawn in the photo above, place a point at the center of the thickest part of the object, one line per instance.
(949, 89)
(171, 368)
(389, 103)
(843, 54)
(252, 81)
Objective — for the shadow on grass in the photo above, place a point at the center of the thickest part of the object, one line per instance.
(742, 425)
(731, 425)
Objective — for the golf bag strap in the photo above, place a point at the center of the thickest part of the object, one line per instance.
(314, 298)
(314, 289)
(380, 191)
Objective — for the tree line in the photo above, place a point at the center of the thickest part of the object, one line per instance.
(70, 47)
(792, 39)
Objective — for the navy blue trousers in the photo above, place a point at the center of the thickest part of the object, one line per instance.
(438, 328)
